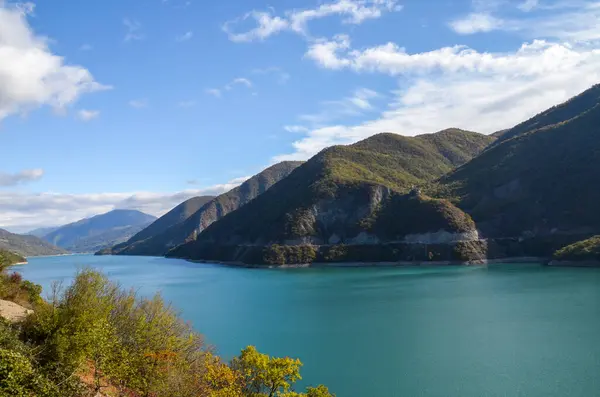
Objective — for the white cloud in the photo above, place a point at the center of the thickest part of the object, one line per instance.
(214, 92)
(21, 212)
(20, 177)
(30, 74)
(296, 128)
(267, 24)
(138, 103)
(454, 87)
(239, 81)
(476, 22)
(86, 47)
(87, 115)
(184, 37)
(355, 105)
(565, 20)
(133, 30)
(528, 5)
(533, 58)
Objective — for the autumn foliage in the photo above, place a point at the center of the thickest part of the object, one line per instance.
(95, 339)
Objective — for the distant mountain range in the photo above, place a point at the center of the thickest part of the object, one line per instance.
(454, 196)
(190, 218)
(25, 245)
(101, 231)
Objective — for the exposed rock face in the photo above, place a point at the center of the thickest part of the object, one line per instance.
(13, 312)
(441, 237)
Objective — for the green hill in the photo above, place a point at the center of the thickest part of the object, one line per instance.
(586, 250)
(8, 258)
(346, 195)
(158, 242)
(540, 182)
(27, 245)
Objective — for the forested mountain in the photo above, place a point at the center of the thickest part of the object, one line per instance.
(27, 245)
(350, 195)
(158, 242)
(541, 181)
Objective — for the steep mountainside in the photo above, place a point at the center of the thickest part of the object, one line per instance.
(178, 214)
(27, 245)
(159, 243)
(540, 182)
(100, 231)
(42, 231)
(349, 195)
(574, 107)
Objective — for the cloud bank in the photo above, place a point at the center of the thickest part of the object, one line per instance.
(32, 76)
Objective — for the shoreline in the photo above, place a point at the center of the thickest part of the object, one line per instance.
(52, 256)
(321, 265)
(571, 263)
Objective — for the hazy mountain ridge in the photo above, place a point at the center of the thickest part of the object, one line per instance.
(91, 234)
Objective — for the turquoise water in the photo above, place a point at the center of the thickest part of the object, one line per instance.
(506, 330)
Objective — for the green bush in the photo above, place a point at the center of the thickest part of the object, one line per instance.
(133, 346)
(18, 377)
(586, 250)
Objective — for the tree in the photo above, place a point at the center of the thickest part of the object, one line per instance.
(263, 375)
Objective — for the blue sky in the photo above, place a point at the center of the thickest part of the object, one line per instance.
(143, 103)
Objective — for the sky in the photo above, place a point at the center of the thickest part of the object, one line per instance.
(142, 104)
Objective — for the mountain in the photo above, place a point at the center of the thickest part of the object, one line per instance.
(542, 181)
(8, 258)
(41, 232)
(178, 214)
(359, 196)
(568, 110)
(154, 242)
(27, 245)
(91, 234)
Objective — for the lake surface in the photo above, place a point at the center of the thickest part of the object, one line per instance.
(504, 330)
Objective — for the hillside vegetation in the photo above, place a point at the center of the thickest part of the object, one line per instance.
(100, 231)
(178, 214)
(27, 245)
(544, 181)
(345, 194)
(8, 258)
(156, 242)
(586, 250)
(95, 339)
